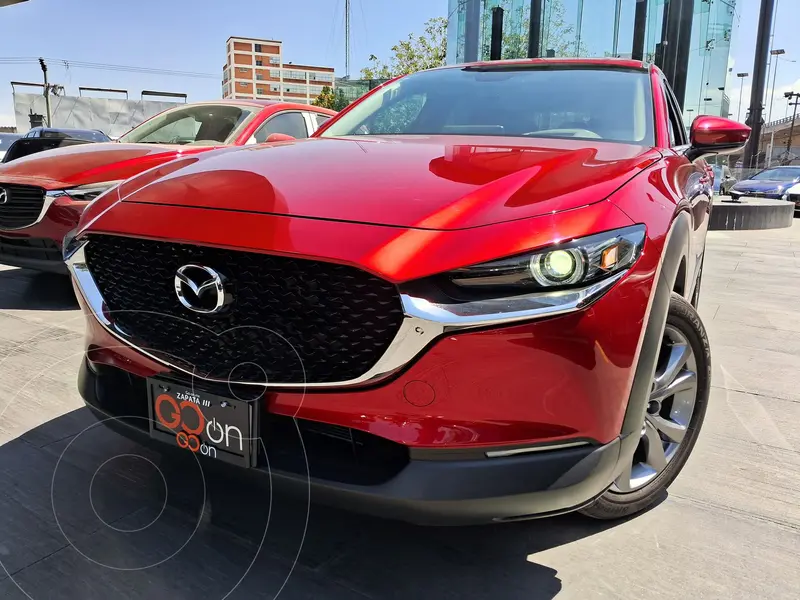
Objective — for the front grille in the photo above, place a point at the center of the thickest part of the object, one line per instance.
(291, 320)
(37, 248)
(22, 206)
(794, 198)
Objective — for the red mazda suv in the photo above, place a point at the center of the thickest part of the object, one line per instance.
(43, 195)
(469, 298)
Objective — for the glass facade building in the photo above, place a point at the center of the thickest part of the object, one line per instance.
(605, 28)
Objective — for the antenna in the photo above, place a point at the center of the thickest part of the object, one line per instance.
(347, 39)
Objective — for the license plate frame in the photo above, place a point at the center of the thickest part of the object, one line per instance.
(176, 420)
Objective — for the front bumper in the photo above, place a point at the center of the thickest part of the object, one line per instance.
(431, 489)
(38, 246)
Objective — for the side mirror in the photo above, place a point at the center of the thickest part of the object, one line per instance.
(279, 137)
(716, 135)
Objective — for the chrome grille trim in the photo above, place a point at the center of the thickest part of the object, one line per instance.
(424, 321)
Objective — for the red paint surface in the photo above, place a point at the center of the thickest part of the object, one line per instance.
(409, 209)
(94, 163)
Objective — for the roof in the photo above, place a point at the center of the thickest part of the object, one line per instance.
(249, 39)
(623, 63)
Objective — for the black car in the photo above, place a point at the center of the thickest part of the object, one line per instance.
(769, 183)
(39, 139)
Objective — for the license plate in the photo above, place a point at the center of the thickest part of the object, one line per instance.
(202, 423)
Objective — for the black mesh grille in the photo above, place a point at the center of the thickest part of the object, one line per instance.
(287, 315)
(21, 207)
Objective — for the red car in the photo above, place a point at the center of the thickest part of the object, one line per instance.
(471, 296)
(43, 195)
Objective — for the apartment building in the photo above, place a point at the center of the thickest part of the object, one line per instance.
(256, 69)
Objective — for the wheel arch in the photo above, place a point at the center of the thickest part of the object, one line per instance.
(672, 273)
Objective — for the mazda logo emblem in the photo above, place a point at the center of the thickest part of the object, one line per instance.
(3, 195)
(201, 289)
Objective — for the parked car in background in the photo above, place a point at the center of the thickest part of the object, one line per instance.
(769, 183)
(793, 195)
(47, 192)
(6, 139)
(472, 296)
(40, 139)
(723, 179)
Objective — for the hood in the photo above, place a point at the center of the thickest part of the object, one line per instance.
(435, 183)
(90, 163)
(766, 185)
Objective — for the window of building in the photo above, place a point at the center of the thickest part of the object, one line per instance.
(258, 47)
(296, 89)
(295, 75)
(289, 123)
(261, 91)
(274, 73)
(274, 60)
(259, 76)
(320, 76)
(275, 88)
(259, 63)
(241, 70)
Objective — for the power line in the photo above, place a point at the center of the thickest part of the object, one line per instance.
(110, 67)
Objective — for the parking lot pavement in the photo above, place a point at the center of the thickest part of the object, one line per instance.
(77, 502)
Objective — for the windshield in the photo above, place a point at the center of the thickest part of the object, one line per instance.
(6, 140)
(781, 174)
(599, 104)
(205, 124)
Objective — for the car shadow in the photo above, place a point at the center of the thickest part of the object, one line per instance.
(31, 290)
(87, 513)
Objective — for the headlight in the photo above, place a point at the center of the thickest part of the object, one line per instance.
(87, 193)
(575, 264)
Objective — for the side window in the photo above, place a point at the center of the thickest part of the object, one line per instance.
(290, 123)
(677, 134)
(321, 119)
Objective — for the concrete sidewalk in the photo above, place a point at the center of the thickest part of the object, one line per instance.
(730, 527)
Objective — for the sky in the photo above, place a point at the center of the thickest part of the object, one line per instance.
(190, 35)
(744, 44)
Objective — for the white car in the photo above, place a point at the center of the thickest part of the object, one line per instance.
(793, 195)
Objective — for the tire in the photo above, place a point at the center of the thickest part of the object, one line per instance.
(617, 504)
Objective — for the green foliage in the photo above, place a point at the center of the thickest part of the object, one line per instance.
(326, 99)
(413, 54)
(557, 35)
(340, 102)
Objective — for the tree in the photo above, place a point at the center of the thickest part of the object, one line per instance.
(340, 101)
(556, 35)
(413, 54)
(326, 99)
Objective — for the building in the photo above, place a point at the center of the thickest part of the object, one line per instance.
(353, 89)
(689, 39)
(256, 69)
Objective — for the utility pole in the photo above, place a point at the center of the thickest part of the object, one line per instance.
(347, 39)
(46, 93)
(789, 96)
(759, 83)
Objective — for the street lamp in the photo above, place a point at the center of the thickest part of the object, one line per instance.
(776, 53)
(741, 88)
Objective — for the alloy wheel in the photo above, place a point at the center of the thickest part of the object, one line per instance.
(669, 412)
